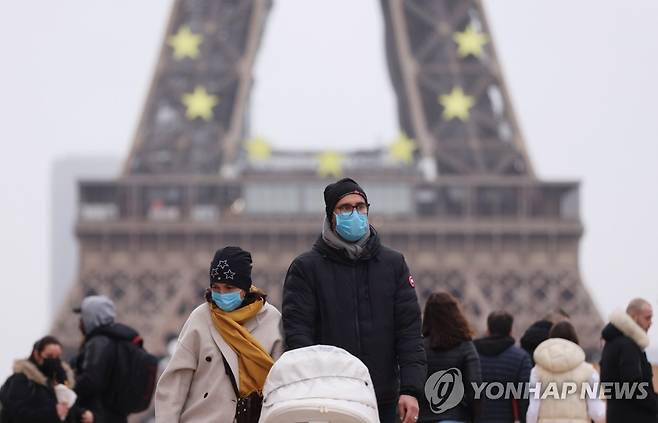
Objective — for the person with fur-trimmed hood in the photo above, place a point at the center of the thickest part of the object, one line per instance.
(29, 394)
(623, 360)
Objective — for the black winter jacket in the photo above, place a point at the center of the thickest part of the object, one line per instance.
(622, 360)
(94, 370)
(501, 361)
(366, 306)
(28, 397)
(465, 358)
(535, 335)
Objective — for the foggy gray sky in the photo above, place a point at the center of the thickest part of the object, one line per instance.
(581, 74)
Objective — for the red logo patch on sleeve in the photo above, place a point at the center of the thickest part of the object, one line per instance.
(412, 282)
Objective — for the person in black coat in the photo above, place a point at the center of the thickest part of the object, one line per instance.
(535, 335)
(93, 366)
(538, 331)
(623, 360)
(352, 292)
(449, 346)
(28, 395)
(502, 361)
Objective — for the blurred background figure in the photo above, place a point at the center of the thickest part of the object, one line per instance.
(448, 344)
(624, 360)
(29, 394)
(538, 331)
(560, 359)
(502, 361)
(115, 377)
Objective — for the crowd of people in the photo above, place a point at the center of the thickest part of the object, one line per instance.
(549, 354)
(350, 291)
(30, 394)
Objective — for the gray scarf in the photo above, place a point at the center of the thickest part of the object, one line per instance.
(353, 249)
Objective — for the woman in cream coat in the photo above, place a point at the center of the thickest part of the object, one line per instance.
(235, 329)
(559, 360)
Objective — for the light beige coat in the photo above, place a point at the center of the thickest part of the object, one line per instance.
(559, 361)
(195, 387)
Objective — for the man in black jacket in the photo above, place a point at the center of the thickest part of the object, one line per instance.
(502, 362)
(352, 292)
(95, 363)
(623, 360)
(538, 331)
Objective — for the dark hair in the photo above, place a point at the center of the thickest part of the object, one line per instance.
(564, 330)
(42, 343)
(444, 323)
(557, 315)
(500, 323)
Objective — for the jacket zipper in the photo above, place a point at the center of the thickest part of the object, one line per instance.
(356, 309)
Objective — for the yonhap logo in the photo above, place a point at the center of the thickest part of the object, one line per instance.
(444, 390)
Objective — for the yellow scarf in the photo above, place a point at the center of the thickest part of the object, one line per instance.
(254, 361)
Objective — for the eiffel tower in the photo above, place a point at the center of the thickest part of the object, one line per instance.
(456, 193)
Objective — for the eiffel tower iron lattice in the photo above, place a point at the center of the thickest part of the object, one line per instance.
(456, 194)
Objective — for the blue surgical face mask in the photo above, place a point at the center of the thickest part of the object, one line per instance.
(352, 227)
(228, 301)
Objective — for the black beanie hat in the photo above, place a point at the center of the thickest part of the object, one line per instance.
(232, 265)
(334, 192)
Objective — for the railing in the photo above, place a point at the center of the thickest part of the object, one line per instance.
(211, 201)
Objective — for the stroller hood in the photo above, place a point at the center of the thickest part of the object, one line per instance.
(320, 382)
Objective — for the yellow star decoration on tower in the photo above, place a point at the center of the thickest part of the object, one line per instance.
(456, 104)
(331, 164)
(470, 42)
(185, 43)
(199, 103)
(258, 149)
(402, 150)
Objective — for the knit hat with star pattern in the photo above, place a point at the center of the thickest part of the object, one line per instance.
(334, 192)
(232, 265)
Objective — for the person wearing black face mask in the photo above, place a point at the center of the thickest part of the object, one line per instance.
(29, 396)
(53, 369)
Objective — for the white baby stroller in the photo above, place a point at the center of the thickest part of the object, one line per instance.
(319, 384)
